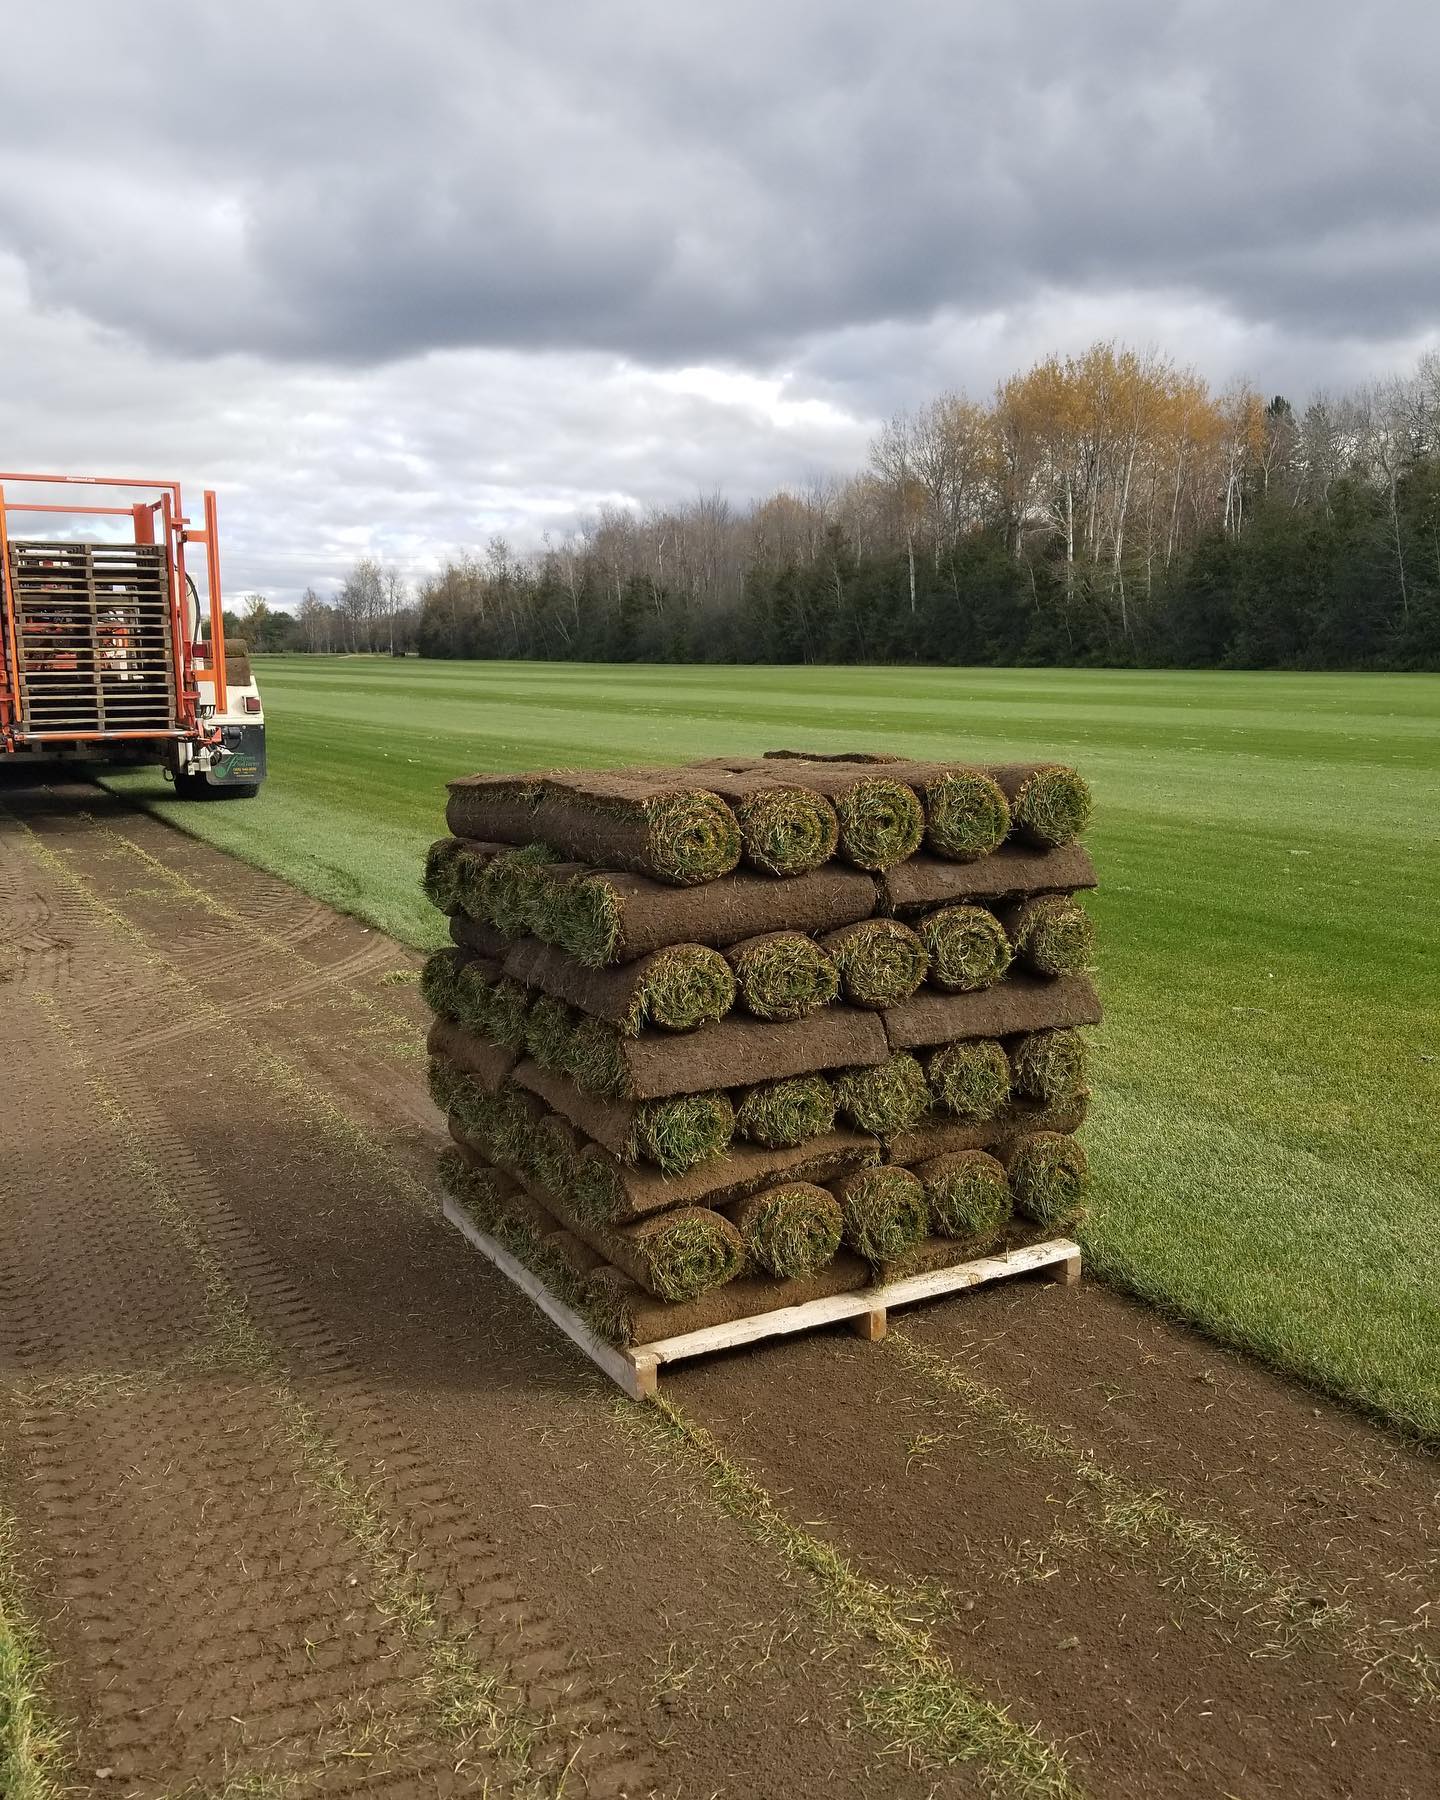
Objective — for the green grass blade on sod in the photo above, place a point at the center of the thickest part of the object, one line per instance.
(1051, 934)
(783, 975)
(967, 947)
(968, 1196)
(1264, 844)
(880, 961)
(1049, 1177)
(790, 1230)
(885, 1099)
(781, 1114)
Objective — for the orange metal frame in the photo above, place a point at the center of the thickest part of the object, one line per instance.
(195, 661)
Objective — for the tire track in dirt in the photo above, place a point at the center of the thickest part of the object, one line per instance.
(735, 1694)
(106, 1382)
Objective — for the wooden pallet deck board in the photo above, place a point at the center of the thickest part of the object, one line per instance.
(636, 1367)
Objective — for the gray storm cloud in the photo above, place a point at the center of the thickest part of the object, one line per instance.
(359, 182)
(395, 277)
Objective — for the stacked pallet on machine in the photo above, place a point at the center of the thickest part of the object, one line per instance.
(734, 1048)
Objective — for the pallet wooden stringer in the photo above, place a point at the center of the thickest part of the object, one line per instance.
(637, 1368)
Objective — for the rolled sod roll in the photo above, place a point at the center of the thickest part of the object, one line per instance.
(1049, 1065)
(444, 1082)
(939, 1135)
(966, 812)
(1009, 872)
(967, 947)
(1050, 804)
(473, 993)
(675, 1133)
(671, 831)
(673, 1255)
(889, 1097)
(735, 1052)
(970, 1079)
(603, 917)
(1052, 934)
(555, 1153)
(881, 820)
(781, 1114)
(675, 989)
(1049, 1174)
(507, 887)
(481, 1189)
(883, 1212)
(607, 1188)
(782, 975)
(626, 1314)
(880, 961)
(1021, 1002)
(549, 1035)
(785, 829)
(440, 877)
(789, 1230)
(478, 936)
(967, 1195)
(487, 1063)
(438, 981)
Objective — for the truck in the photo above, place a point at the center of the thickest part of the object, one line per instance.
(108, 656)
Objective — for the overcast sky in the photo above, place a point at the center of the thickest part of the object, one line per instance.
(395, 278)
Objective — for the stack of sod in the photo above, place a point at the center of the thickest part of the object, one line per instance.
(716, 1040)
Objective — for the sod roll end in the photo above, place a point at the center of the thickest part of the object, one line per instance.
(1052, 934)
(968, 1196)
(1049, 1065)
(883, 1212)
(966, 814)
(787, 830)
(782, 975)
(970, 1079)
(886, 1098)
(967, 948)
(781, 1114)
(881, 822)
(881, 962)
(1049, 1176)
(790, 1230)
(1050, 806)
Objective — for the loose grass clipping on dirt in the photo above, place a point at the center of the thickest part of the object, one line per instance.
(683, 987)
(967, 947)
(1051, 806)
(880, 961)
(1052, 934)
(966, 814)
(677, 1134)
(881, 822)
(790, 1230)
(968, 1196)
(970, 1079)
(781, 1114)
(1049, 1065)
(1049, 1175)
(883, 1212)
(783, 975)
(787, 830)
(438, 982)
(887, 1098)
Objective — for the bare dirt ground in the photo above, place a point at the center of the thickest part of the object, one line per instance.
(309, 1500)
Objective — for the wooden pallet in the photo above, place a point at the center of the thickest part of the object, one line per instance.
(637, 1368)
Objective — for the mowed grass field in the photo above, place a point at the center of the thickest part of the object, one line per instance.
(1264, 1139)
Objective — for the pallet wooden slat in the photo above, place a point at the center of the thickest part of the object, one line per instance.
(636, 1368)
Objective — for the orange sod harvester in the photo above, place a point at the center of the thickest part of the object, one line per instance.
(104, 654)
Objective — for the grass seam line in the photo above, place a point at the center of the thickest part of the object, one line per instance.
(919, 1703)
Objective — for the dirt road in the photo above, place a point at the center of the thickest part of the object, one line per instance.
(305, 1499)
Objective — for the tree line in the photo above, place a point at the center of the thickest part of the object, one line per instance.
(1106, 508)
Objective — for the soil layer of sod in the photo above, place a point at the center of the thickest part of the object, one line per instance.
(1195, 1472)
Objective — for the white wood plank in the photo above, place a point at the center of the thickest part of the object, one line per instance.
(787, 1319)
(636, 1374)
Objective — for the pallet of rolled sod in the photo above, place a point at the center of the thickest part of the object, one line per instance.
(717, 1040)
